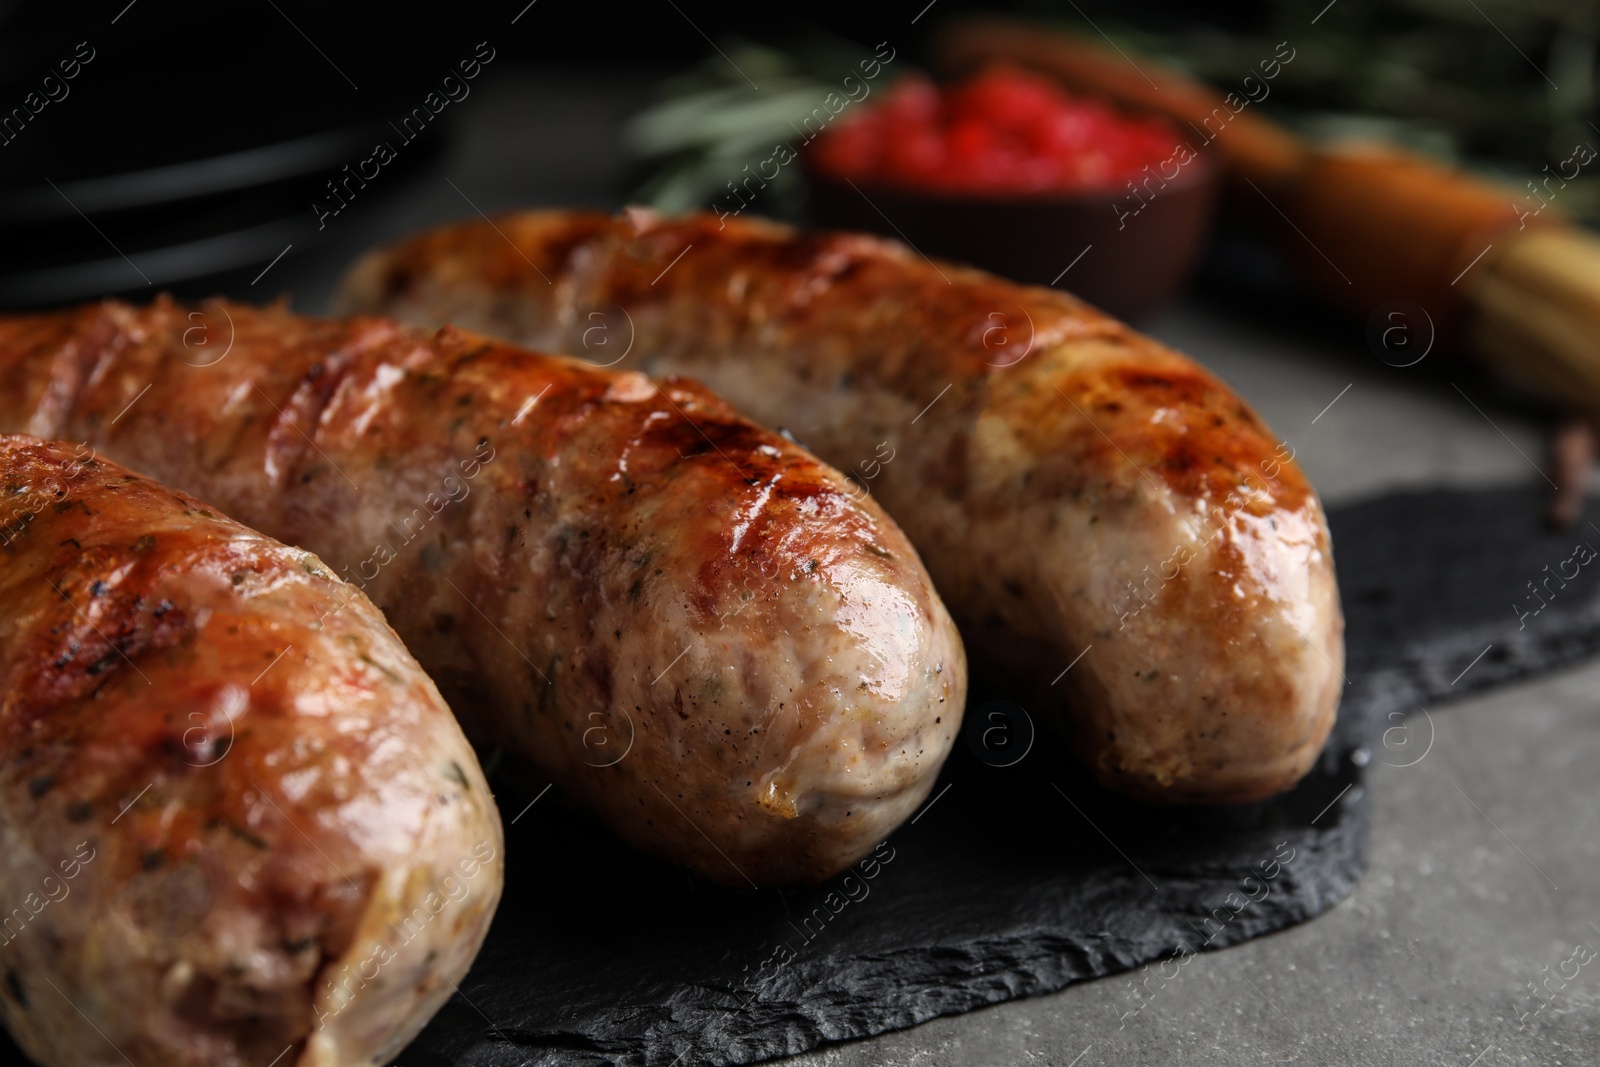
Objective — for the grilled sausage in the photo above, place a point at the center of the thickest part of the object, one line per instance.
(238, 824)
(683, 619)
(1075, 488)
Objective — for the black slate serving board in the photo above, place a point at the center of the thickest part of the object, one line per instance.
(1017, 878)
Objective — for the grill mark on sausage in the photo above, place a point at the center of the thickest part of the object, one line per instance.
(294, 424)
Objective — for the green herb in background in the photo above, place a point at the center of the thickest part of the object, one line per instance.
(710, 125)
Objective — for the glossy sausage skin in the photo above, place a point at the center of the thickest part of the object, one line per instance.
(237, 821)
(1074, 487)
(683, 619)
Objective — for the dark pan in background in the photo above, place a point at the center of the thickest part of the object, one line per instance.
(184, 146)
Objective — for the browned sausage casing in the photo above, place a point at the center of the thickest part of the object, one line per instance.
(682, 618)
(237, 821)
(1075, 488)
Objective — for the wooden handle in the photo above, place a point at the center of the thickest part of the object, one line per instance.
(1371, 227)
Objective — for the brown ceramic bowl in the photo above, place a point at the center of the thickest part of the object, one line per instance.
(1140, 250)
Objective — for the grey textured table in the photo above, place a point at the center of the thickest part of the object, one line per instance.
(1484, 853)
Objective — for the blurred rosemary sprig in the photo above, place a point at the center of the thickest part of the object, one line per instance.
(709, 124)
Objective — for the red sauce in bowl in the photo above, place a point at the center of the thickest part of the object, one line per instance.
(1002, 131)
